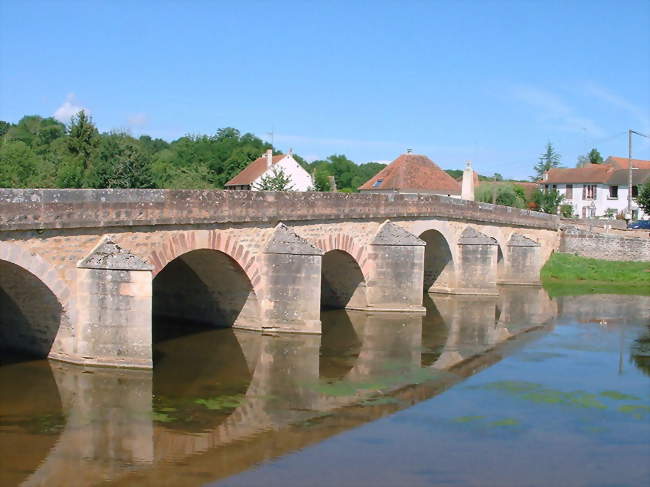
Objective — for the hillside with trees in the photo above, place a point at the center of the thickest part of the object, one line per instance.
(42, 152)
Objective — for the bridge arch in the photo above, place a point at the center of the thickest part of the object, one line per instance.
(439, 267)
(347, 244)
(211, 281)
(34, 304)
(174, 246)
(343, 283)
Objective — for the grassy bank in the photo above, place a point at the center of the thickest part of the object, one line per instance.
(566, 274)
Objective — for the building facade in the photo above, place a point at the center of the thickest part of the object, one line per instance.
(269, 165)
(600, 190)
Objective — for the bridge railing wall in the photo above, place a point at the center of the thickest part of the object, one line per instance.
(32, 209)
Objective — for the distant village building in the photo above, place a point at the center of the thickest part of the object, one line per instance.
(412, 174)
(599, 189)
(263, 166)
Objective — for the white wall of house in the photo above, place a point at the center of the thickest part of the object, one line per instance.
(599, 205)
(300, 179)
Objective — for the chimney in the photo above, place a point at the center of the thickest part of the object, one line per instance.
(269, 158)
(467, 188)
(409, 151)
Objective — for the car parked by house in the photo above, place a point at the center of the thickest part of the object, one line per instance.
(639, 224)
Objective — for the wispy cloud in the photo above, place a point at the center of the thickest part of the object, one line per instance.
(138, 120)
(69, 108)
(642, 116)
(552, 110)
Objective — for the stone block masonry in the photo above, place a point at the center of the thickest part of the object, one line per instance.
(597, 245)
(102, 263)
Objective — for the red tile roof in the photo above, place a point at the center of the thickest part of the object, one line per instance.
(591, 173)
(622, 163)
(253, 171)
(413, 172)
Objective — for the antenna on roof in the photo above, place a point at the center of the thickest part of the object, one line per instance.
(272, 135)
(409, 151)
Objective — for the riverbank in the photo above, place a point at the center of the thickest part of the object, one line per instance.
(567, 274)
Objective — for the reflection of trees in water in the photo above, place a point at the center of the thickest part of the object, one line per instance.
(640, 352)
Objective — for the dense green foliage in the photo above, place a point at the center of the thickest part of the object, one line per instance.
(571, 270)
(547, 201)
(592, 157)
(348, 175)
(42, 152)
(643, 199)
(507, 194)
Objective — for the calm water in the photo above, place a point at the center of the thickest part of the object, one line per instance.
(520, 390)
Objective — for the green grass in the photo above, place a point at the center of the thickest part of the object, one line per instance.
(566, 274)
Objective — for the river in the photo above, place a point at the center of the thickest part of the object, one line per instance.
(518, 390)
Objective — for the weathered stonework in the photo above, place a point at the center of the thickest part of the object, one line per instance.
(395, 270)
(524, 262)
(477, 265)
(292, 273)
(224, 258)
(601, 245)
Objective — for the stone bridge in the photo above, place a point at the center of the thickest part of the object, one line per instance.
(82, 272)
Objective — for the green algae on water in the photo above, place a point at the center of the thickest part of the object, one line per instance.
(221, 402)
(505, 422)
(637, 411)
(467, 419)
(619, 396)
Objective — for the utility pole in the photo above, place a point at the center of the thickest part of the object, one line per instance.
(629, 169)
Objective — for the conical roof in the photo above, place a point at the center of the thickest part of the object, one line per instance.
(413, 173)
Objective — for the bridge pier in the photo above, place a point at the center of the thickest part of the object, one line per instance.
(291, 278)
(476, 269)
(113, 308)
(524, 262)
(395, 270)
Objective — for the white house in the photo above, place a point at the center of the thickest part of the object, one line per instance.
(597, 190)
(263, 166)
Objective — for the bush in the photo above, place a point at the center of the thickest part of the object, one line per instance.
(566, 211)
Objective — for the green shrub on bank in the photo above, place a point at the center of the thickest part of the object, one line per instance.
(567, 268)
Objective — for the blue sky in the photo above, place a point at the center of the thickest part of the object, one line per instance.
(490, 81)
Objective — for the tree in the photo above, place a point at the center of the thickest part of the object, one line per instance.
(320, 176)
(4, 127)
(643, 200)
(547, 160)
(276, 181)
(547, 201)
(80, 144)
(506, 194)
(592, 157)
(120, 162)
(18, 165)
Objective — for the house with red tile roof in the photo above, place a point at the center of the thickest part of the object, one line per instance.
(268, 165)
(412, 173)
(596, 190)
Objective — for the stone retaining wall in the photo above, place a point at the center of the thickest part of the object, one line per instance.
(606, 246)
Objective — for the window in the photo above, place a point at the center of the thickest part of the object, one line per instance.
(569, 191)
(589, 192)
(635, 191)
(555, 187)
(613, 192)
(546, 187)
(377, 183)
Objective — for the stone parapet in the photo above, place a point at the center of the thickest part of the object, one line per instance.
(34, 209)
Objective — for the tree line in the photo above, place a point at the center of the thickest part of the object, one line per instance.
(38, 152)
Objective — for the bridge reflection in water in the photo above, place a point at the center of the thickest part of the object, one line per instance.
(221, 401)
